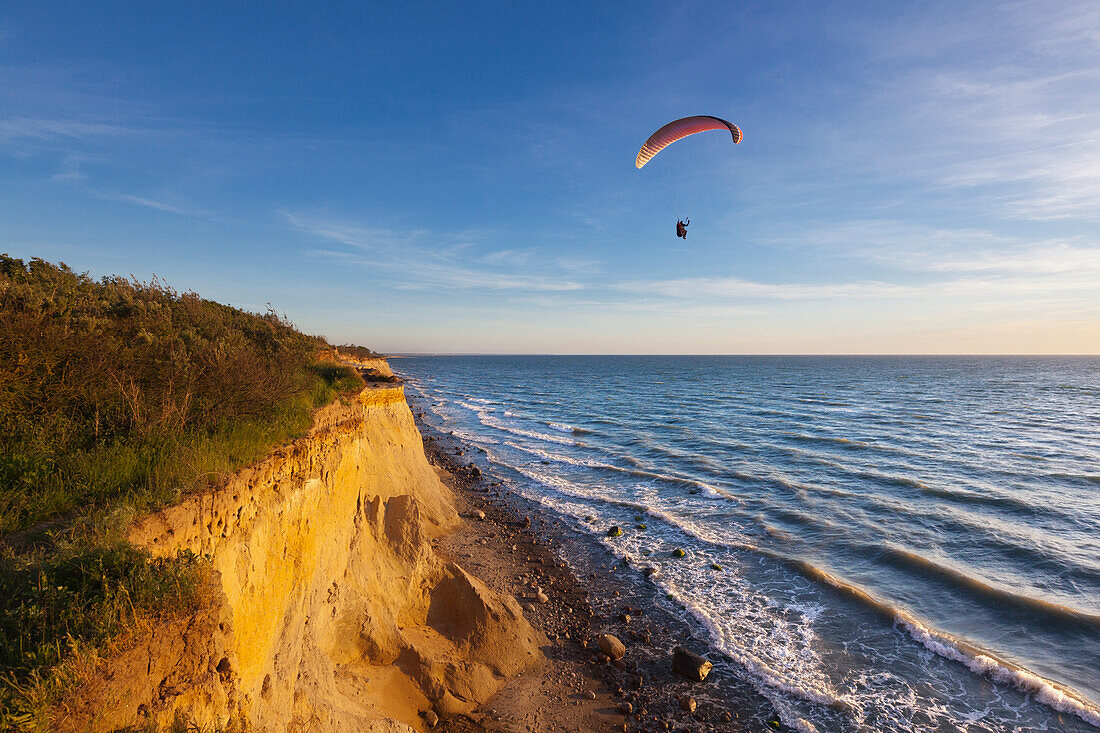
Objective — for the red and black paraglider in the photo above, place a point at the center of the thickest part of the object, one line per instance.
(676, 130)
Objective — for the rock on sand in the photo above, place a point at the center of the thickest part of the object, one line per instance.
(611, 646)
(690, 665)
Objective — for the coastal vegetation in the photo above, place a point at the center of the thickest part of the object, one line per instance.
(117, 397)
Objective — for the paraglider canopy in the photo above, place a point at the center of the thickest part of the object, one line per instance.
(681, 128)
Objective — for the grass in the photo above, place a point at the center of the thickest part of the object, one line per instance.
(117, 397)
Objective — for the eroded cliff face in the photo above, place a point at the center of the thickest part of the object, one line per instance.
(332, 610)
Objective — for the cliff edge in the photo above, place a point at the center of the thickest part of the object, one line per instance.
(331, 609)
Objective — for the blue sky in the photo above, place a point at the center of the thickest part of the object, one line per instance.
(915, 177)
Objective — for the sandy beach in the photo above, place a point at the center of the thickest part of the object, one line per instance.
(516, 549)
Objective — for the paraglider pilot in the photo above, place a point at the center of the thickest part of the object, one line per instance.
(682, 229)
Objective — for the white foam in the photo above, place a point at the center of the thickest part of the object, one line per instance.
(797, 672)
(476, 405)
(705, 489)
(1043, 690)
(474, 438)
(563, 427)
(571, 460)
(491, 422)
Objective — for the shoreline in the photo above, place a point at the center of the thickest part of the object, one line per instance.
(516, 547)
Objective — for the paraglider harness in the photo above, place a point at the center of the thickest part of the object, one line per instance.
(681, 229)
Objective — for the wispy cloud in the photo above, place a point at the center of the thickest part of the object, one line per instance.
(998, 105)
(726, 288)
(418, 259)
(149, 203)
(18, 129)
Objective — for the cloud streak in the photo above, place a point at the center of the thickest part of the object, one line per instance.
(420, 259)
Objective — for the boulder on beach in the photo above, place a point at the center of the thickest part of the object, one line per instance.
(678, 552)
(611, 646)
(614, 531)
(690, 665)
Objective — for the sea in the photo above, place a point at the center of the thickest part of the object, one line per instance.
(871, 543)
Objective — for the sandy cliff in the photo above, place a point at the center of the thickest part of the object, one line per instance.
(332, 610)
(376, 364)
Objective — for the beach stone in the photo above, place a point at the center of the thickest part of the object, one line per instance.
(590, 695)
(687, 703)
(690, 665)
(542, 598)
(650, 571)
(626, 708)
(611, 646)
(678, 552)
(431, 719)
(480, 515)
(615, 531)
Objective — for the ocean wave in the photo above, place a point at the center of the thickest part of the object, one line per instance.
(846, 443)
(483, 401)
(563, 427)
(1085, 477)
(1044, 691)
(560, 458)
(491, 422)
(1051, 611)
(773, 678)
(600, 496)
(703, 488)
(474, 438)
(478, 406)
(943, 644)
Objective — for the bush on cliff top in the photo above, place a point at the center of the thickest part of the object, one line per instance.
(117, 390)
(117, 394)
(361, 352)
